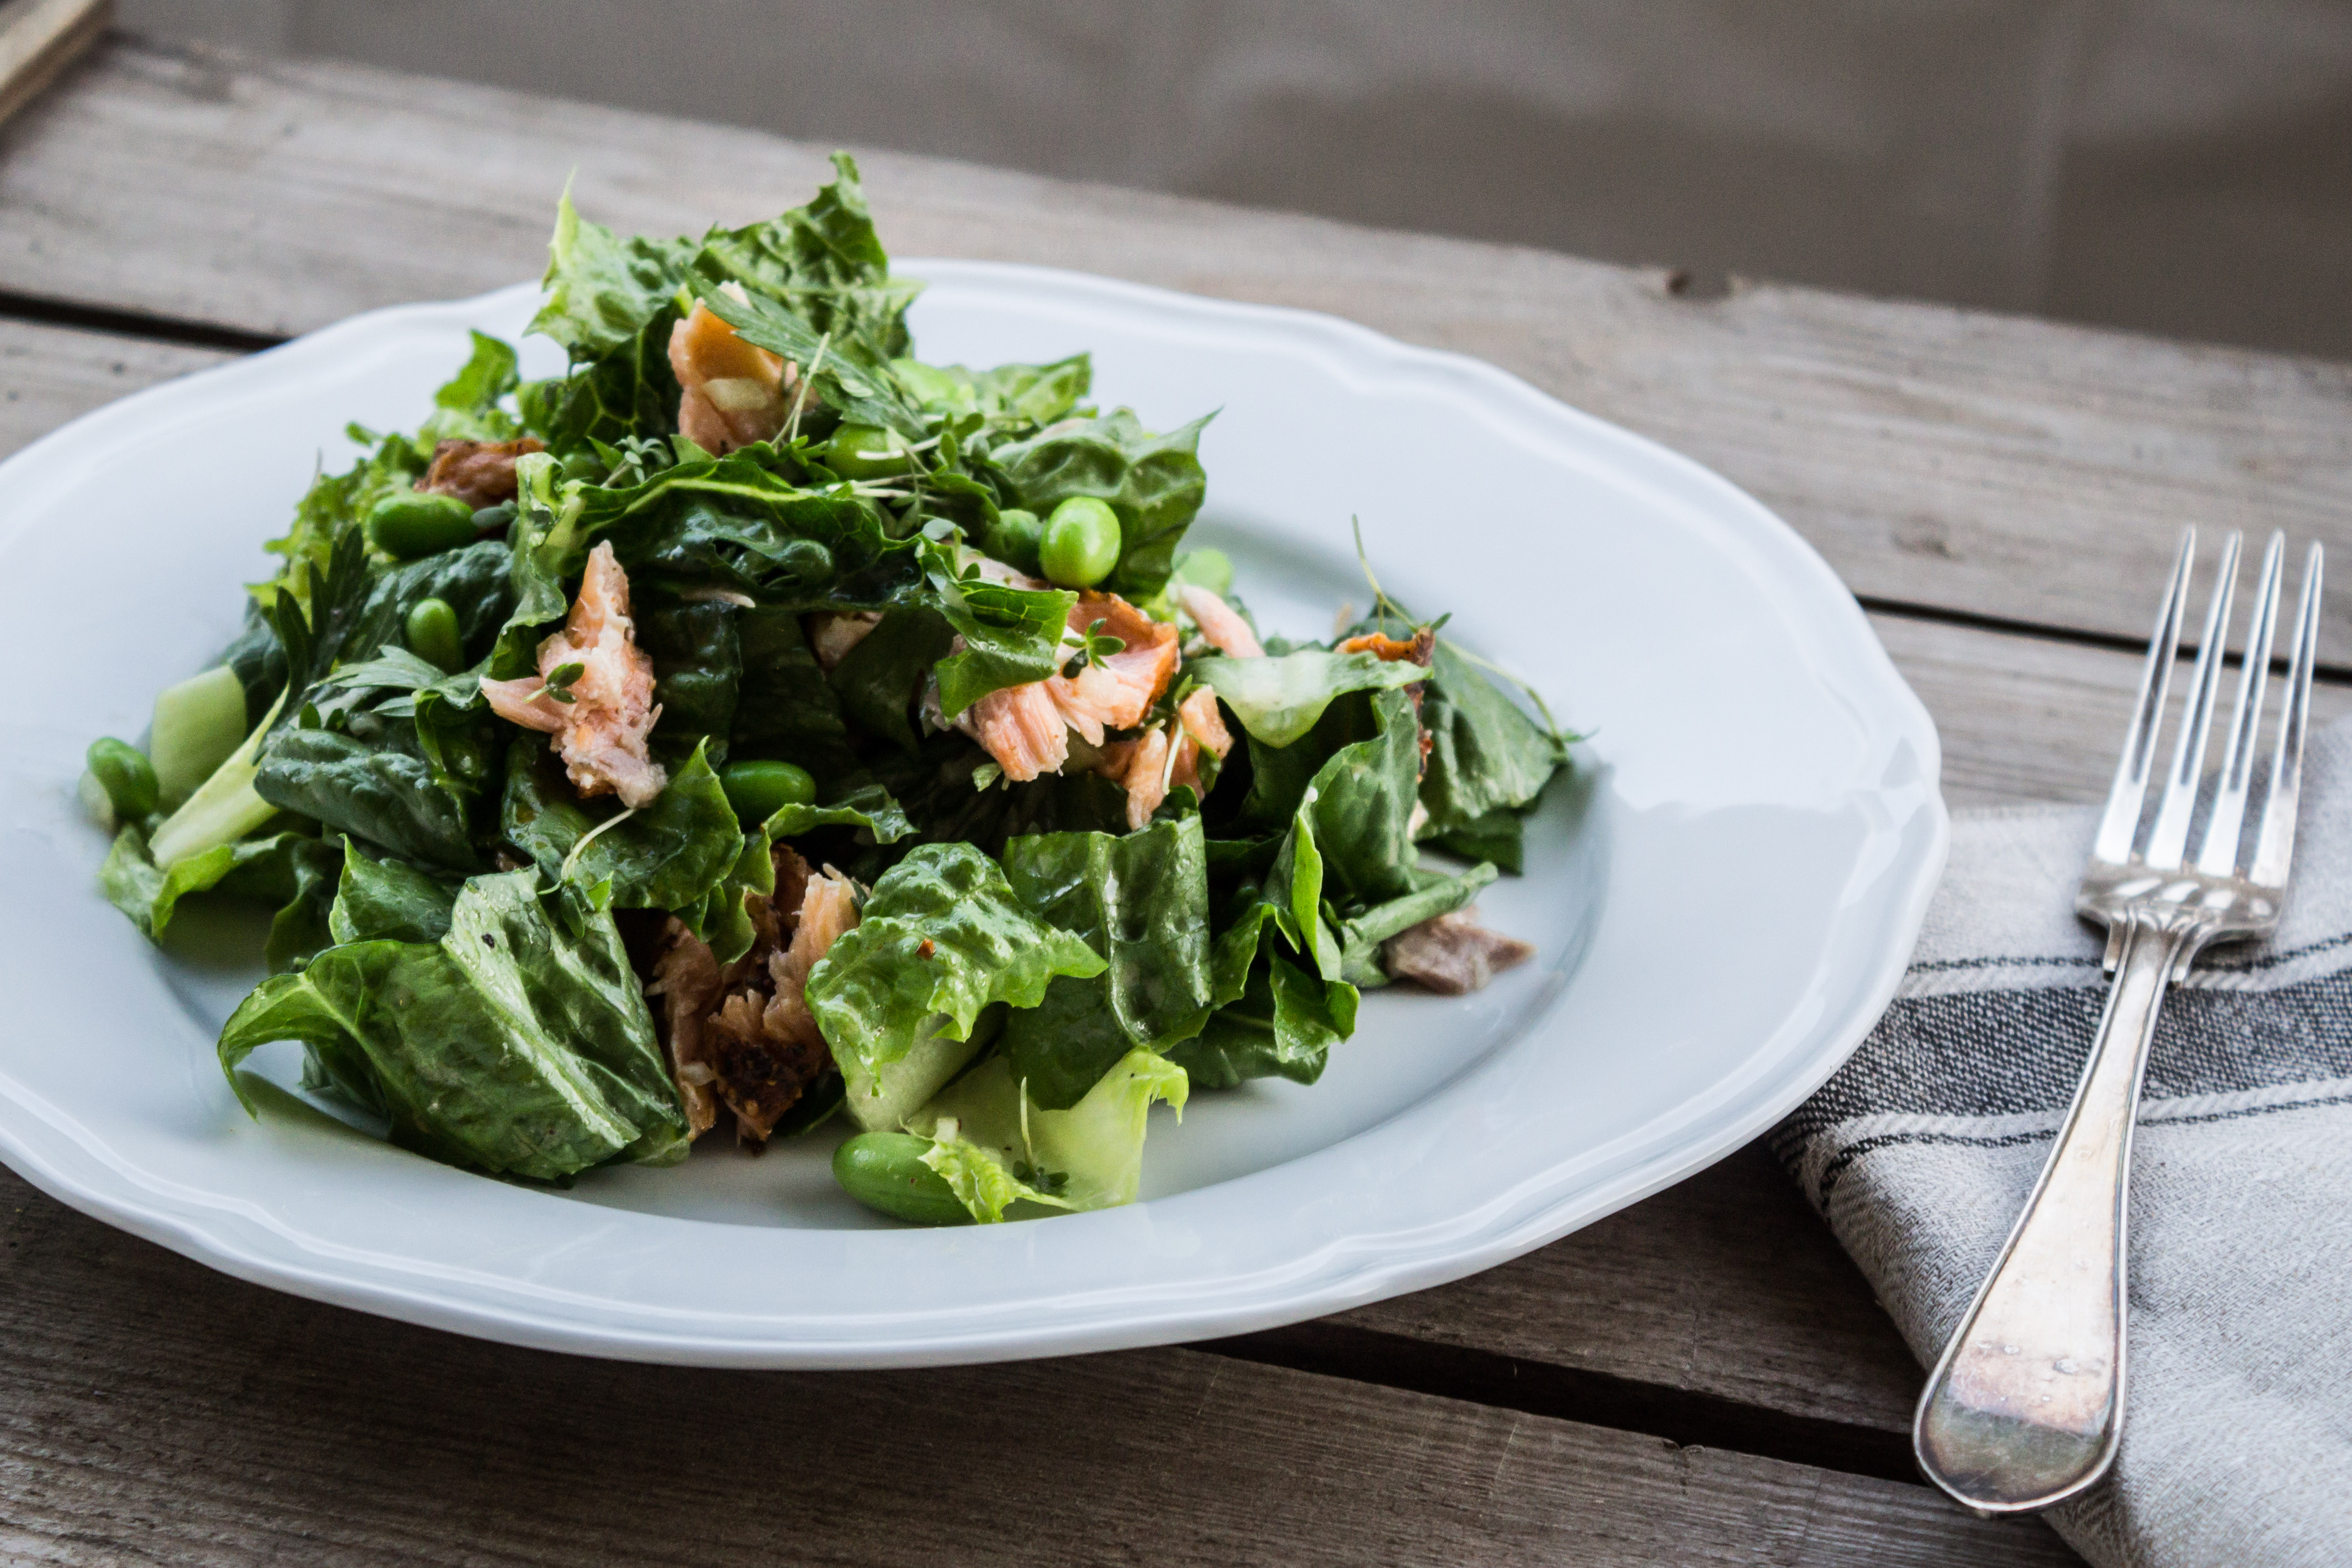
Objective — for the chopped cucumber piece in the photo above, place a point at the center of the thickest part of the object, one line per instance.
(198, 723)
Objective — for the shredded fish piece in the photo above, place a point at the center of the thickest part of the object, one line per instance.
(479, 473)
(1220, 623)
(1169, 758)
(1452, 953)
(732, 392)
(602, 731)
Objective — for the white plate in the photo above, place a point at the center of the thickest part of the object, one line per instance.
(1723, 907)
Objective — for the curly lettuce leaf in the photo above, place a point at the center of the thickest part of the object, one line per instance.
(1140, 902)
(997, 1152)
(941, 937)
(602, 288)
(512, 1043)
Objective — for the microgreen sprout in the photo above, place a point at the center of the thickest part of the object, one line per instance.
(559, 683)
(1092, 649)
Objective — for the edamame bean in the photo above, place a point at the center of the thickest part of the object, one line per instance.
(1013, 538)
(758, 789)
(433, 634)
(1209, 569)
(884, 1171)
(1080, 544)
(418, 522)
(866, 452)
(126, 775)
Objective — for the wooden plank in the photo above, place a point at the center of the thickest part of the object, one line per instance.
(2028, 718)
(148, 1407)
(50, 374)
(38, 39)
(2009, 468)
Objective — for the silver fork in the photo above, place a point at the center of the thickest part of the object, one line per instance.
(2025, 1406)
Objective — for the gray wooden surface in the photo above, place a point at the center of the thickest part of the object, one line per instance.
(2003, 492)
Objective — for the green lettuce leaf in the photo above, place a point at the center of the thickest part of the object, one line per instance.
(824, 262)
(1155, 483)
(1360, 934)
(1279, 697)
(941, 937)
(387, 900)
(880, 681)
(512, 1044)
(1140, 902)
(1012, 636)
(602, 289)
(936, 787)
(697, 659)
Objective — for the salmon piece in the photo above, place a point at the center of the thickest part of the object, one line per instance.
(732, 392)
(601, 733)
(479, 473)
(687, 979)
(1022, 729)
(743, 1036)
(1418, 649)
(1117, 693)
(1220, 623)
(1167, 759)
(832, 636)
(1452, 953)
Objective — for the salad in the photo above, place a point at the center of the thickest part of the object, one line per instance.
(756, 728)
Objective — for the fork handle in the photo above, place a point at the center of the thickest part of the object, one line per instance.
(2025, 1406)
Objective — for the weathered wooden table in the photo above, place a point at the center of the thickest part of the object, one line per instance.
(1701, 1378)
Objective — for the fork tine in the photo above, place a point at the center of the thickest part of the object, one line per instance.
(2275, 847)
(2217, 854)
(2169, 837)
(2120, 825)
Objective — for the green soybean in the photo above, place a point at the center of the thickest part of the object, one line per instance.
(126, 775)
(1081, 543)
(1209, 569)
(417, 523)
(432, 634)
(866, 452)
(758, 789)
(1013, 538)
(884, 1171)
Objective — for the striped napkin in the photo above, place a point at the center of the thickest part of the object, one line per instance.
(1920, 1153)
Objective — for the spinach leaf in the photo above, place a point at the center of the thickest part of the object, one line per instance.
(1499, 837)
(1486, 754)
(697, 670)
(382, 791)
(941, 937)
(1155, 483)
(1278, 698)
(1360, 934)
(1140, 902)
(1012, 636)
(784, 708)
(666, 854)
(512, 1044)
(866, 806)
(473, 582)
(935, 786)
(1282, 1024)
(723, 917)
(629, 393)
(879, 680)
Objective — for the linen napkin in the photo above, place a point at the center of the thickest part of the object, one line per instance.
(2238, 1401)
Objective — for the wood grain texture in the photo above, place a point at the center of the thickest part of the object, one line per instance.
(152, 1410)
(2009, 467)
(50, 374)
